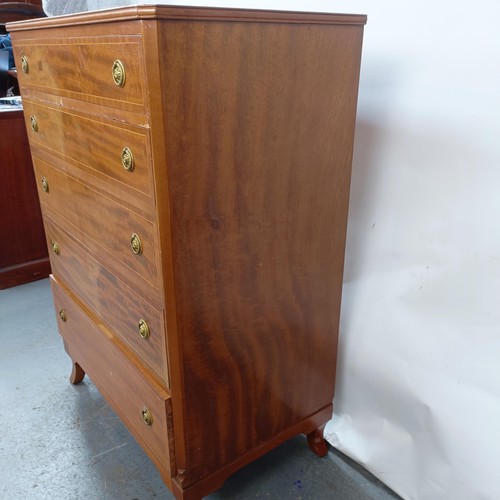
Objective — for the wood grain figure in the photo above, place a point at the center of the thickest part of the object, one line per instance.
(213, 333)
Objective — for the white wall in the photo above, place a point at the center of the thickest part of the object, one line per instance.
(418, 394)
(418, 398)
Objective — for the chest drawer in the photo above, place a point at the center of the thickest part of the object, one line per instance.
(131, 318)
(85, 68)
(133, 396)
(124, 241)
(115, 157)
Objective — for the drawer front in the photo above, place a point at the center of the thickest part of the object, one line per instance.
(131, 318)
(103, 226)
(115, 157)
(119, 380)
(85, 69)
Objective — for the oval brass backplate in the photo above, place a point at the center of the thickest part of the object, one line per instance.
(128, 159)
(143, 328)
(62, 314)
(45, 184)
(118, 73)
(136, 244)
(147, 417)
(25, 65)
(55, 248)
(34, 123)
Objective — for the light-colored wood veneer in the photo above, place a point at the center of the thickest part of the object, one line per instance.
(199, 289)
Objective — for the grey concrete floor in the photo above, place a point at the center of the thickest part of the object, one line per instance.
(61, 442)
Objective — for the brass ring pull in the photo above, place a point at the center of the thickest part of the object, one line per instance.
(143, 328)
(147, 417)
(118, 73)
(45, 184)
(136, 244)
(55, 248)
(34, 123)
(62, 314)
(24, 64)
(128, 159)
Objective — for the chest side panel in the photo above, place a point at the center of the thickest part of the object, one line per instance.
(259, 135)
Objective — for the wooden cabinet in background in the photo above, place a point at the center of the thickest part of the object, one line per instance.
(23, 252)
(193, 168)
(17, 11)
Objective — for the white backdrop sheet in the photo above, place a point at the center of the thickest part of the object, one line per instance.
(418, 387)
(418, 394)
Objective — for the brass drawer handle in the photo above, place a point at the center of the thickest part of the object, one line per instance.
(128, 159)
(24, 64)
(45, 184)
(34, 123)
(118, 73)
(143, 328)
(55, 248)
(147, 417)
(136, 244)
(62, 314)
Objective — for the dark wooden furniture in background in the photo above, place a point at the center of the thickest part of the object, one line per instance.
(17, 11)
(23, 253)
(193, 167)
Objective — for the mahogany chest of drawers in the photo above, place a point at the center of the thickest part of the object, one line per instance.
(193, 169)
